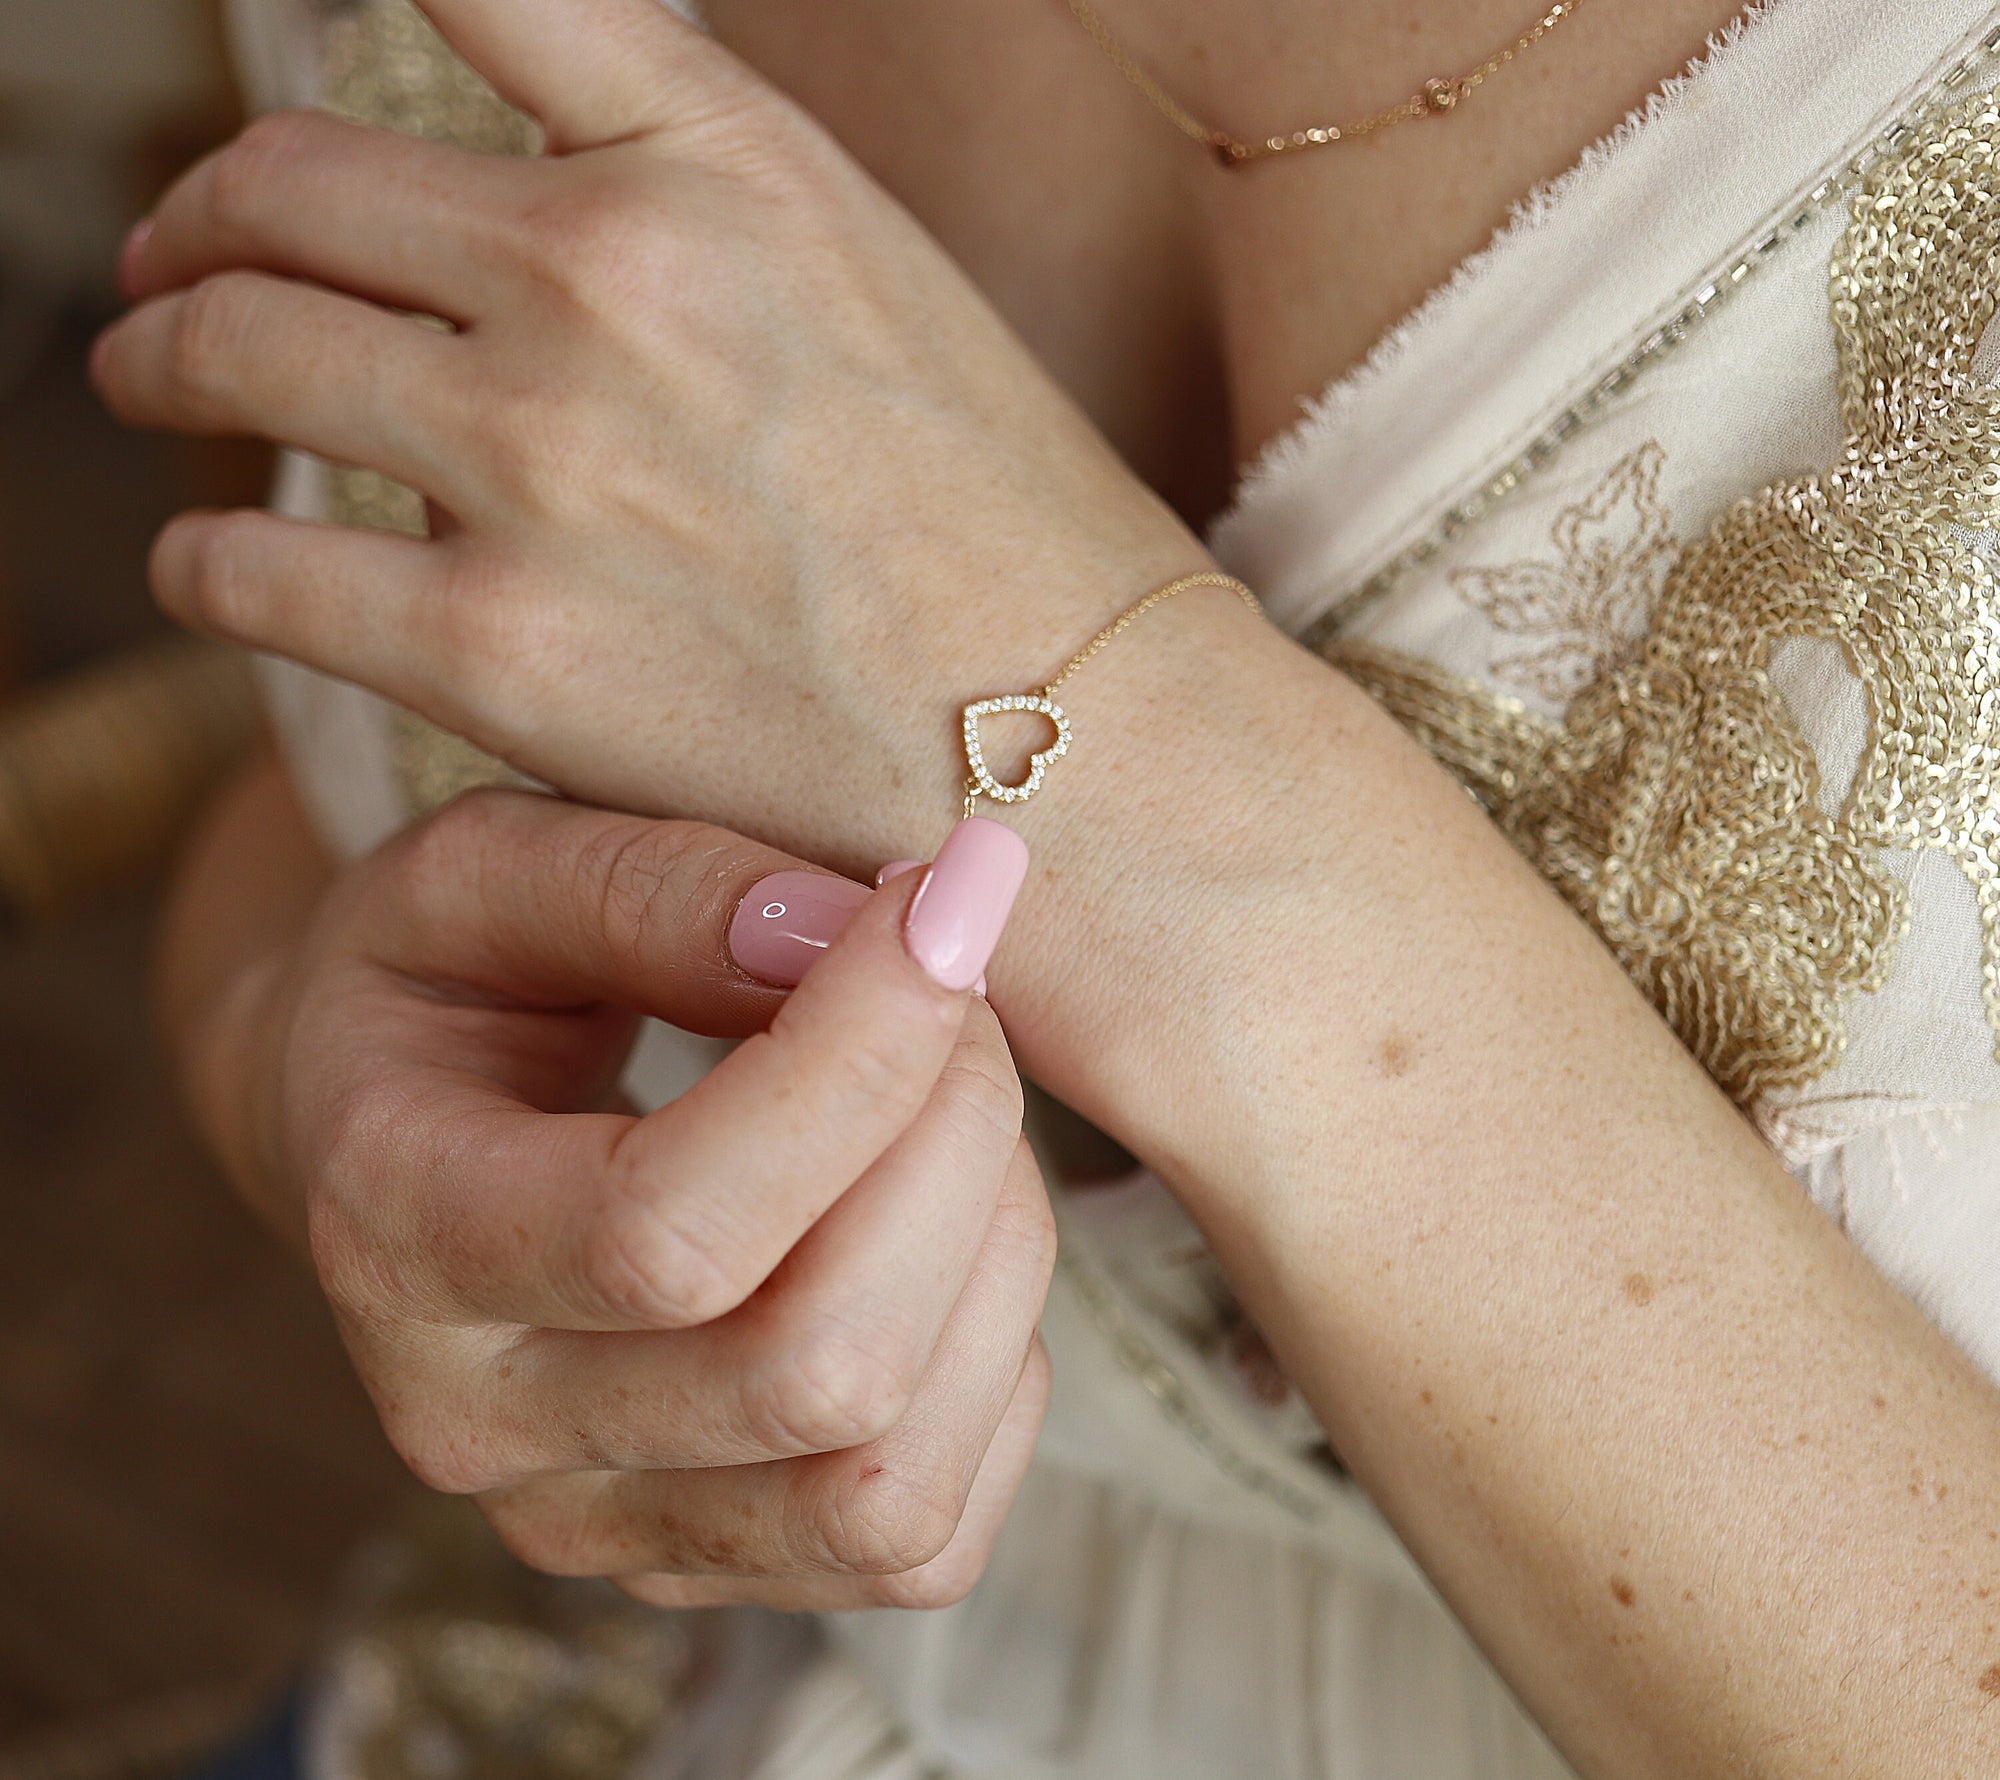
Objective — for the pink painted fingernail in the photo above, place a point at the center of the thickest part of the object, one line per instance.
(787, 920)
(128, 258)
(895, 869)
(961, 908)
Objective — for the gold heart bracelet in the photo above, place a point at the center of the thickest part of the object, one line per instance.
(980, 781)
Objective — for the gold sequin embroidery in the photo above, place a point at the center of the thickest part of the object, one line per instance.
(1585, 614)
(385, 65)
(1677, 805)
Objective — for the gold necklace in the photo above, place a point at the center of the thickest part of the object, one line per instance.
(1436, 98)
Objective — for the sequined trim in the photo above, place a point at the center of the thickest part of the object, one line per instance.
(1676, 805)
(454, 1660)
(1659, 344)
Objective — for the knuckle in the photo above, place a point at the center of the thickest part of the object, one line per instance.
(485, 625)
(209, 335)
(212, 586)
(350, 1136)
(646, 1271)
(888, 1519)
(439, 851)
(591, 242)
(878, 1073)
(441, 1458)
(829, 1392)
(982, 1090)
(654, 880)
(340, 1254)
(943, 1582)
(778, 151)
(1029, 1219)
(539, 452)
(244, 173)
(541, 1534)
(432, 864)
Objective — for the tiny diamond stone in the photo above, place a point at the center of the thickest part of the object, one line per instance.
(975, 755)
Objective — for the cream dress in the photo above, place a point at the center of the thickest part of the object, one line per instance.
(1669, 524)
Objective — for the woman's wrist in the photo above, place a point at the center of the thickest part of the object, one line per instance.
(1174, 852)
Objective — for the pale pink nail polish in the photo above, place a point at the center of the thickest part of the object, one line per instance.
(961, 908)
(128, 258)
(787, 920)
(895, 869)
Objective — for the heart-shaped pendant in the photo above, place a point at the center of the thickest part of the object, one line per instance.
(1038, 764)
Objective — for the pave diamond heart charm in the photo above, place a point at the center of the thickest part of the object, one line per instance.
(1038, 765)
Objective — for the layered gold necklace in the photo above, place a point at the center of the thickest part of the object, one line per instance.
(1435, 99)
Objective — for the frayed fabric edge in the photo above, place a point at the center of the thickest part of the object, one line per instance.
(1289, 451)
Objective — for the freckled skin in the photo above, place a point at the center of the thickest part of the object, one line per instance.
(1989, 1682)
(1623, 1592)
(1638, 1289)
(1397, 1055)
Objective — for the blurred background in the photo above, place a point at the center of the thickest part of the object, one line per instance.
(184, 1457)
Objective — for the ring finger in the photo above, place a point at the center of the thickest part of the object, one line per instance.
(948, 1577)
(408, 223)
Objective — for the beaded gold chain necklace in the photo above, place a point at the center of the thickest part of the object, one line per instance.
(1435, 99)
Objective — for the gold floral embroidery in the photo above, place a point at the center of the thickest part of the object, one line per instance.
(1583, 615)
(1677, 805)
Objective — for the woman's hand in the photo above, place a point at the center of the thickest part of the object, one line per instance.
(720, 434)
(775, 1341)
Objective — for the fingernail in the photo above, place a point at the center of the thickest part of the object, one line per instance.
(895, 869)
(787, 920)
(961, 908)
(128, 258)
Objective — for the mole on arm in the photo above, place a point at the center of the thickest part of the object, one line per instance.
(1397, 1054)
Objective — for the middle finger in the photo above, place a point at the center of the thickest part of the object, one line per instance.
(886, 1508)
(250, 354)
(827, 1355)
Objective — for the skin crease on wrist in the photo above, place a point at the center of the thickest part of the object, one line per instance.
(1716, 1500)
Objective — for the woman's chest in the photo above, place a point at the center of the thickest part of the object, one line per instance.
(1188, 308)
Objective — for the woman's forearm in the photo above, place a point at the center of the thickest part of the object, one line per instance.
(1714, 1495)
(244, 895)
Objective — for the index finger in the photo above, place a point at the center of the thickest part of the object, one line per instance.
(720, 1185)
(537, 901)
(500, 1209)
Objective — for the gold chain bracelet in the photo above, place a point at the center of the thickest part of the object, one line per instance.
(980, 781)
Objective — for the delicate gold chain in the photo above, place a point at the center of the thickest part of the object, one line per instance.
(980, 781)
(1132, 614)
(1436, 98)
